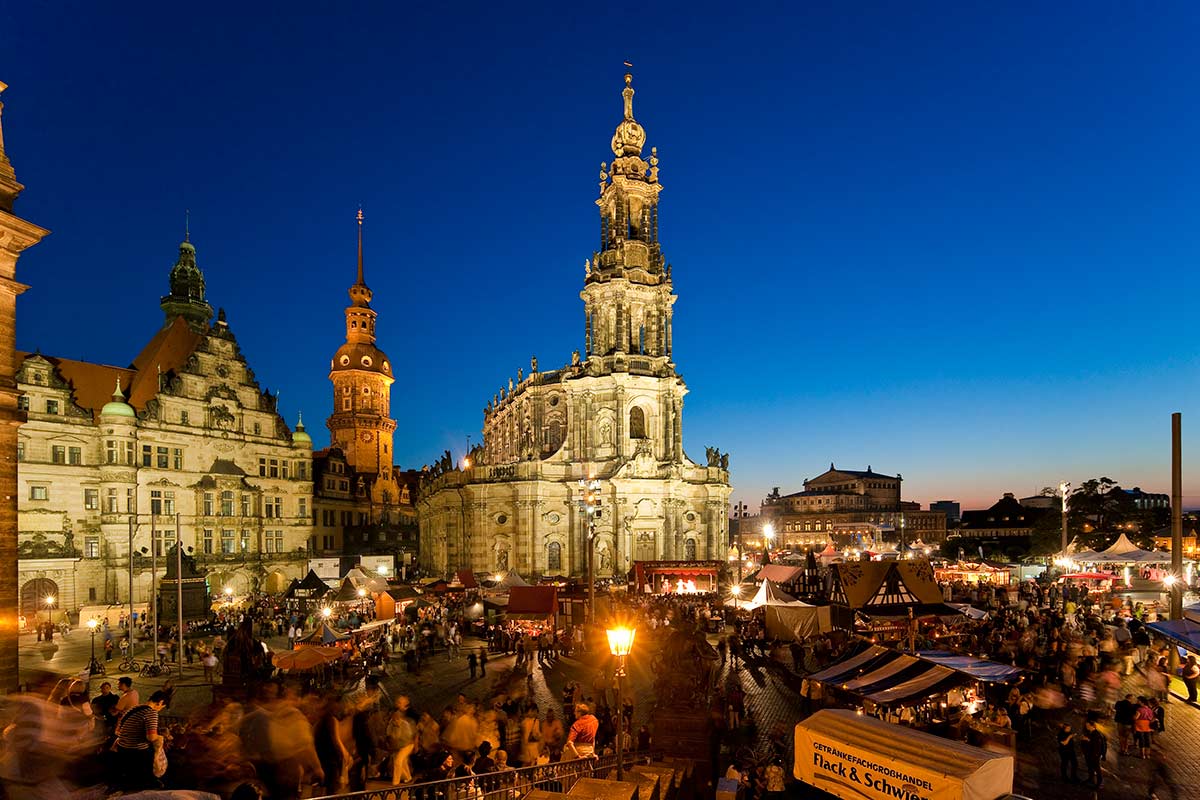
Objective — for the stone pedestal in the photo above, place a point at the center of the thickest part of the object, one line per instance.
(686, 736)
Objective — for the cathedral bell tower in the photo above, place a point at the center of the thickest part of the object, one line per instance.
(627, 286)
(361, 374)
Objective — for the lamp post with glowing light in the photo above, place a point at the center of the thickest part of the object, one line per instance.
(362, 602)
(768, 532)
(735, 592)
(620, 643)
(49, 609)
(589, 504)
(94, 667)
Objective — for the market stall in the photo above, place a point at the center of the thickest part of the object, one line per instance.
(532, 608)
(973, 572)
(853, 756)
(676, 577)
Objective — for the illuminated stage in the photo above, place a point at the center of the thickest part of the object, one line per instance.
(676, 577)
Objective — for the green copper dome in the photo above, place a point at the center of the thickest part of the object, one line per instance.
(300, 436)
(118, 407)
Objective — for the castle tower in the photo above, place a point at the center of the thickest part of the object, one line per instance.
(187, 290)
(361, 373)
(15, 236)
(627, 287)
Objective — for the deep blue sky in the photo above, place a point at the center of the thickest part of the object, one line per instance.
(952, 242)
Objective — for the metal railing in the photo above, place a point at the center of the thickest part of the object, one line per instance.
(510, 784)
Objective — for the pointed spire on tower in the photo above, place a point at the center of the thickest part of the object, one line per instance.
(360, 269)
(360, 295)
(117, 394)
(187, 225)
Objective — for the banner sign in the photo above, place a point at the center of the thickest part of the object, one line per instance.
(856, 757)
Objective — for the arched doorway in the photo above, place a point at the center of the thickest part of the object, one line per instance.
(34, 594)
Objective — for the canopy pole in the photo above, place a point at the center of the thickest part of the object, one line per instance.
(1177, 515)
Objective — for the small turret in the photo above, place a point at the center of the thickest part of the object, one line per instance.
(117, 407)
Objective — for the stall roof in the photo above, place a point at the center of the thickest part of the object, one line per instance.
(403, 593)
(324, 634)
(846, 666)
(467, 579)
(313, 584)
(977, 668)
(531, 602)
(1184, 631)
(922, 684)
(779, 573)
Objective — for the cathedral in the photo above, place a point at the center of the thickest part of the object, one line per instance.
(608, 423)
(112, 457)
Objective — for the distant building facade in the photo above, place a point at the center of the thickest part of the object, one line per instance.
(951, 508)
(842, 506)
(363, 505)
(613, 415)
(110, 457)
(1007, 518)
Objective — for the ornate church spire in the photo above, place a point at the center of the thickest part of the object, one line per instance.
(627, 285)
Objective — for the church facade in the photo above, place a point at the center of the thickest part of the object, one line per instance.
(611, 418)
(109, 458)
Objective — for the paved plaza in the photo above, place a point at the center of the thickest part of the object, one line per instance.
(772, 698)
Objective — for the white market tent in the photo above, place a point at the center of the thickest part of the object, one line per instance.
(1123, 551)
(779, 573)
(771, 595)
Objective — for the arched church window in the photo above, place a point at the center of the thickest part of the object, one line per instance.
(553, 557)
(637, 423)
(689, 550)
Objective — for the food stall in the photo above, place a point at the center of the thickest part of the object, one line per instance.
(974, 572)
(853, 756)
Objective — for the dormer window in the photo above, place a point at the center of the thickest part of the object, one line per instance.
(366, 361)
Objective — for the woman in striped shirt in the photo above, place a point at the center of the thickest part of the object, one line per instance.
(137, 736)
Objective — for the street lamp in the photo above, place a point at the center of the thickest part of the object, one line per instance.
(736, 592)
(326, 612)
(49, 604)
(620, 643)
(589, 504)
(362, 601)
(768, 536)
(93, 666)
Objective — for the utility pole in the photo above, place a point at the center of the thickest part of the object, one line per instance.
(1177, 516)
(129, 630)
(589, 504)
(1063, 489)
(179, 593)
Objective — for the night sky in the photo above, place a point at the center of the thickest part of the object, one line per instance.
(950, 242)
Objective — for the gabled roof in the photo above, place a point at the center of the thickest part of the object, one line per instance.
(91, 384)
(167, 352)
(864, 584)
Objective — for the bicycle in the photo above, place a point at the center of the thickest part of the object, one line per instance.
(128, 664)
(154, 669)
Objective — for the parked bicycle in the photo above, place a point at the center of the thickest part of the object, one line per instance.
(154, 669)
